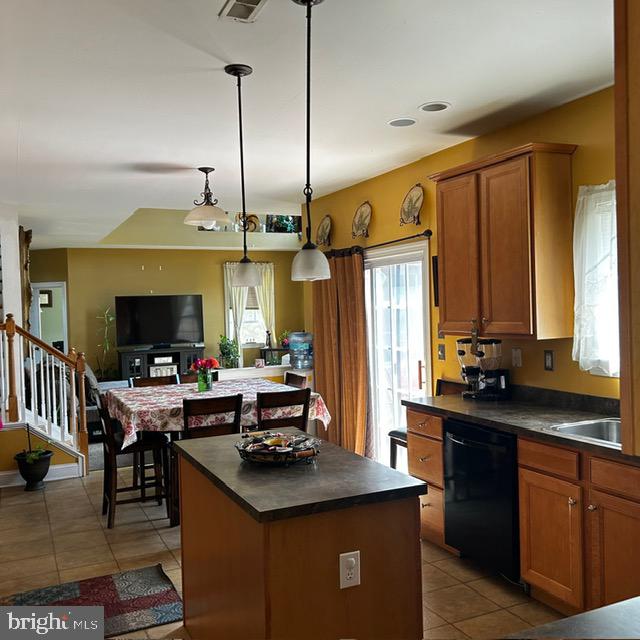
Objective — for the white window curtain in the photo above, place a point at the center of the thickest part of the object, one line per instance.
(236, 298)
(265, 293)
(596, 342)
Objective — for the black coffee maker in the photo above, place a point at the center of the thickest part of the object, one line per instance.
(480, 360)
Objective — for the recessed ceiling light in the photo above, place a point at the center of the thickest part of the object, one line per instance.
(434, 106)
(402, 122)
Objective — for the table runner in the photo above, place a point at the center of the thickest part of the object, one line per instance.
(160, 408)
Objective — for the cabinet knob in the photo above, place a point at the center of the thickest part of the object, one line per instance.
(572, 502)
(423, 458)
(485, 320)
(592, 507)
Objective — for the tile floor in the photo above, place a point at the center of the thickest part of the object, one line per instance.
(59, 535)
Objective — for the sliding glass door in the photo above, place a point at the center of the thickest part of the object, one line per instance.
(396, 282)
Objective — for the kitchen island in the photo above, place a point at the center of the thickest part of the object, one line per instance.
(261, 545)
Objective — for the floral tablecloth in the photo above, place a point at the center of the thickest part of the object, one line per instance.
(160, 408)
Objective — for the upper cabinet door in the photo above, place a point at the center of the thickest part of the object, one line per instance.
(505, 236)
(458, 253)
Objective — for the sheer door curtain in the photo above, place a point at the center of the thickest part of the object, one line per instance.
(340, 352)
(596, 342)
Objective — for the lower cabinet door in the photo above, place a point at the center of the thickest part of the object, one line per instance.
(614, 528)
(551, 536)
(432, 516)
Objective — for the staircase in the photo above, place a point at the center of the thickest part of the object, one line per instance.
(43, 388)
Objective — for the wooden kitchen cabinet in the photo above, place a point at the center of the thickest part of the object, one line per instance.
(505, 226)
(551, 536)
(614, 527)
(459, 253)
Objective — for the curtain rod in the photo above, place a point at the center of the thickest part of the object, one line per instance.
(427, 233)
(339, 253)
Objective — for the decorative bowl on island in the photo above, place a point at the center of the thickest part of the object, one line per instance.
(267, 447)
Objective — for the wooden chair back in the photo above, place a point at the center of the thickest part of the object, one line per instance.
(192, 376)
(158, 381)
(449, 387)
(192, 408)
(280, 400)
(295, 380)
(112, 437)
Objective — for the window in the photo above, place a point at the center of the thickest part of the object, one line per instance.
(250, 310)
(596, 342)
(253, 330)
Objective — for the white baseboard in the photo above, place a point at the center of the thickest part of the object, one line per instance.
(13, 478)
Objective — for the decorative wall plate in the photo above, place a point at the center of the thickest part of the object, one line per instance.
(412, 205)
(323, 234)
(253, 222)
(361, 220)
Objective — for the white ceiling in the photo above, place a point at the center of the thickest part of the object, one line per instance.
(103, 103)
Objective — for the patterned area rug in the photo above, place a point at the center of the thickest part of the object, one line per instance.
(132, 600)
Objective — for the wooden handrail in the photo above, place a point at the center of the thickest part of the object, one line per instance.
(44, 346)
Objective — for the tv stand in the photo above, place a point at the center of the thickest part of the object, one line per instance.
(136, 362)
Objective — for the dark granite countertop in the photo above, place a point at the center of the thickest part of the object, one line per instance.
(620, 620)
(521, 418)
(338, 479)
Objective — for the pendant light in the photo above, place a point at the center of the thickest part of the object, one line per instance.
(206, 214)
(309, 263)
(246, 273)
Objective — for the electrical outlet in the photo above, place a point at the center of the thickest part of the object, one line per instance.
(548, 360)
(349, 569)
(516, 357)
(442, 354)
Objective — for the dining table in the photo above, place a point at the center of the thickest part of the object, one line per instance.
(159, 408)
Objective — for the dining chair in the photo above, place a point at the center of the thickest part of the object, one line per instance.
(158, 381)
(192, 376)
(283, 400)
(295, 380)
(156, 444)
(194, 408)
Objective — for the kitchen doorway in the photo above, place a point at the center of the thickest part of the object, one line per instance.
(398, 334)
(48, 314)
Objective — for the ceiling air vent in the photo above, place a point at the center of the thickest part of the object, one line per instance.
(242, 10)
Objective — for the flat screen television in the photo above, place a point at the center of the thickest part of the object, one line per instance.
(158, 320)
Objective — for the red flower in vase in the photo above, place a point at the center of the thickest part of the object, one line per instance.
(205, 364)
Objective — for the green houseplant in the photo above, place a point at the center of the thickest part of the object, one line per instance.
(33, 464)
(229, 352)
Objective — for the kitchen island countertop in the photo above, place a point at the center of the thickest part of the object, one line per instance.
(338, 479)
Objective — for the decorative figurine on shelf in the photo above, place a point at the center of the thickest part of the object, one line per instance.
(267, 342)
(204, 368)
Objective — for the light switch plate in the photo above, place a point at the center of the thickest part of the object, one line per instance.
(442, 354)
(548, 360)
(349, 569)
(516, 357)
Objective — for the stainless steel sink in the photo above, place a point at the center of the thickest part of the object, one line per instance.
(603, 431)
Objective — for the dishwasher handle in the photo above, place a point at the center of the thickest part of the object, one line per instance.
(465, 442)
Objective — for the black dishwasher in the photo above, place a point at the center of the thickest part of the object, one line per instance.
(481, 496)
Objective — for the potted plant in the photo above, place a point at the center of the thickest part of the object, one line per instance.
(107, 320)
(229, 353)
(33, 464)
(204, 368)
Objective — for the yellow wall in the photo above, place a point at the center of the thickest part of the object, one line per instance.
(95, 276)
(14, 441)
(587, 122)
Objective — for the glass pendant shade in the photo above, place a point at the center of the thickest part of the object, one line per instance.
(246, 274)
(310, 264)
(206, 214)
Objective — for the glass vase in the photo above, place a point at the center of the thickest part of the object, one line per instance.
(205, 380)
